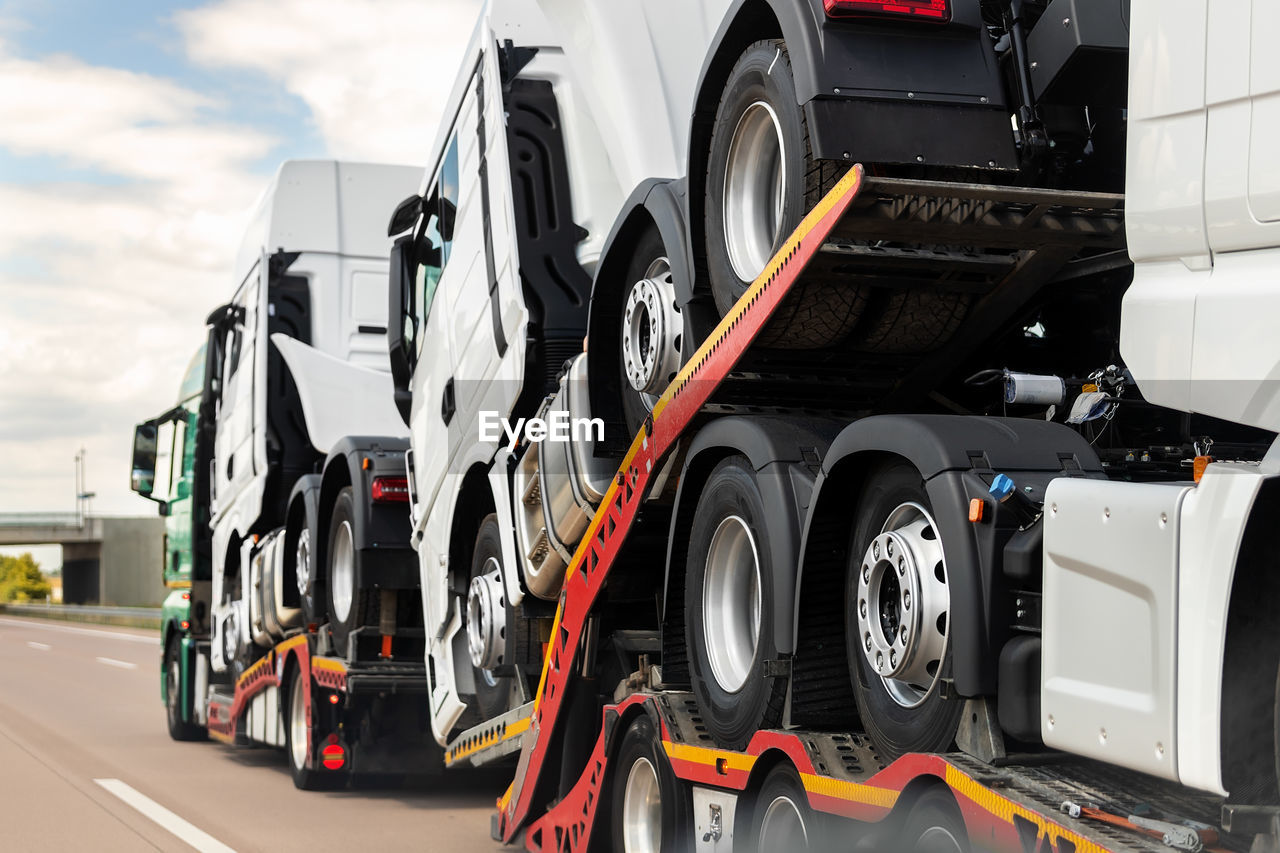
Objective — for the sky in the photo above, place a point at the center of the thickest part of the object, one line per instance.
(134, 138)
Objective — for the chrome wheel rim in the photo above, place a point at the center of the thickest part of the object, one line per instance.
(302, 562)
(486, 619)
(642, 810)
(297, 724)
(755, 190)
(937, 839)
(343, 576)
(782, 827)
(652, 332)
(903, 607)
(731, 603)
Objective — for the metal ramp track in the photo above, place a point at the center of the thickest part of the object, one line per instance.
(1027, 234)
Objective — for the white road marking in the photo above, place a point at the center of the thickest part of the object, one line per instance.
(118, 664)
(40, 647)
(191, 834)
(67, 629)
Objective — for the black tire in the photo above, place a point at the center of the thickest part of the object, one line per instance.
(675, 825)
(493, 692)
(635, 409)
(175, 703)
(342, 524)
(305, 776)
(895, 729)
(816, 314)
(782, 820)
(732, 712)
(934, 825)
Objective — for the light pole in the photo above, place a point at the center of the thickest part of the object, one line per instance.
(82, 497)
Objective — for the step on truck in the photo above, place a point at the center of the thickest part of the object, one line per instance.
(304, 629)
(952, 532)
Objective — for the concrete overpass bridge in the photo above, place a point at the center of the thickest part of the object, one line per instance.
(105, 559)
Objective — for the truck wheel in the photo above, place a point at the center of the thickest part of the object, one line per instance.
(761, 180)
(347, 604)
(782, 819)
(174, 702)
(310, 589)
(897, 617)
(934, 825)
(653, 331)
(651, 811)
(728, 607)
(298, 738)
(486, 622)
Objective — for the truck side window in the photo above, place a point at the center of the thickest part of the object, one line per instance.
(449, 192)
(430, 266)
(437, 239)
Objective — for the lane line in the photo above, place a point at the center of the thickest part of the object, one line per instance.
(40, 647)
(158, 814)
(118, 664)
(67, 629)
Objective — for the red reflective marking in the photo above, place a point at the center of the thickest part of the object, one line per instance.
(333, 757)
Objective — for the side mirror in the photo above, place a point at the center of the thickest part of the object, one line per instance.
(401, 328)
(142, 479)
(405, 216)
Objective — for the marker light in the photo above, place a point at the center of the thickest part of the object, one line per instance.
(937, 11)
(333, 756)
(390, 490)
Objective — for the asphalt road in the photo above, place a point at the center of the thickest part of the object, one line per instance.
(86, 764)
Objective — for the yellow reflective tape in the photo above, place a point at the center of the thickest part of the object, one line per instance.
(178, 584)
(851, 792)
(709, 757)
(291, 642)
(516, 729)
(329, 664)
(1005, 809)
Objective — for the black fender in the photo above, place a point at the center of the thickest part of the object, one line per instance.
(785, 454)
(861, 83)
(957, 457)
(381, 531)
(656, 202)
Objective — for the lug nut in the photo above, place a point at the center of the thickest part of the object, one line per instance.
(893, 658)
(879, 660)
(902, 566)
(889, 548)
(906, 601)
(867, 643)
(862, 608)
(875, 550)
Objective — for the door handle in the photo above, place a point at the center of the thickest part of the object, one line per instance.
(449, 404)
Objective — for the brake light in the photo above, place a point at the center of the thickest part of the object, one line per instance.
(938, 11)
(390, 490)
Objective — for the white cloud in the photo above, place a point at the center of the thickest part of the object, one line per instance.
(376, 75)
(104, 287)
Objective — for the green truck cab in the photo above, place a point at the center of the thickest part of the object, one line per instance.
(169, 465)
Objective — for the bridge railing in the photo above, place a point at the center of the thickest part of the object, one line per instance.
(41, 519)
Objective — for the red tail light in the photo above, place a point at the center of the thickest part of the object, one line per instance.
(938, 11)
(390, 490)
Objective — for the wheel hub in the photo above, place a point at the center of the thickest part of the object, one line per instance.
(903, 604)
(782, 827)
(487, 618)
(642, 810)
(731, 603)
(297, 724)
(755, 190)
(302, 562)
(343, 575)
(652, 331)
